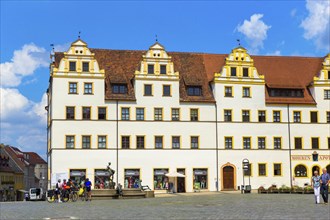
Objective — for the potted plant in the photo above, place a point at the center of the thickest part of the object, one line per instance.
(308, 189)
(297, 189)
(261, 189)
(284, 189)
(273, 189)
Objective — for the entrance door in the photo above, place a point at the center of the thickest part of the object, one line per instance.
(228, 177)
(315, 168)
(181, 181)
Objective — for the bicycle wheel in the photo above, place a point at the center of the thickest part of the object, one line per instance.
(65, 197)
(74, 196)
(51, 199)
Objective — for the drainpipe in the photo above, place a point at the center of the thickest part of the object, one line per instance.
(289, 133)
(217, 144)
(117, 153)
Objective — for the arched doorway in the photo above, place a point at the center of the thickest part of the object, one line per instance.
(328, 169)
(228, 177)
(316, 168)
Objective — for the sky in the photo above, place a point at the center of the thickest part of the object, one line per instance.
(28, 28)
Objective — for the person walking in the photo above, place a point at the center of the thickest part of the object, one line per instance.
(88, 186)
(315, 182)
(325, 180)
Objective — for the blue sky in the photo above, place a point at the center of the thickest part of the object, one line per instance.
(289, 28)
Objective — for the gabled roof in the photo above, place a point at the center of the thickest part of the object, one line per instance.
(34, 158)
(13, 155)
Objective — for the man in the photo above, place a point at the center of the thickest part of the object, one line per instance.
(58, 190)
(325, 180)
(88, 186)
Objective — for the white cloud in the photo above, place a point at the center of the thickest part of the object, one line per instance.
(38, 109)
(12, 102)
(24, 62)
(275, 53)
(255, 31)
(293, 12)
(62, 47)
(316, 24)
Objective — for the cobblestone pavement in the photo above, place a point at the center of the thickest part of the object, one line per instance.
(178, 206)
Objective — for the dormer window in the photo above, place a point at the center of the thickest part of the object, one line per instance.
(72, 66)
(233, 71)
(151, 69)
(119, 88)
(294, 93)
(85, 66)
(245, 72)
(194, 90)
(162, 69)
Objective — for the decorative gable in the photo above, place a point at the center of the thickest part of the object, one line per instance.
(239, 68)
(156, 64)
(323, 78)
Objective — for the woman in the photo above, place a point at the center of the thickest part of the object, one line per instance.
(316, 185)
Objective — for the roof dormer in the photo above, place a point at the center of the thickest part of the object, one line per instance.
(156, 64)
(239, 67)
(78, 61)
(323, 77)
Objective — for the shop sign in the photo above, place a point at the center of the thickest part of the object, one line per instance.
(132, 172)
(200, 172)
(160, 172)
(102, 173)
(309, 157)
(77, 173)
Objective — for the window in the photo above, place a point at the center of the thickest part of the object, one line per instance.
(262, 116)
(277, 143)
(119, 88)
(276, 116)
(101, 179)
(72, 66)
(70, 112)
(86, 142)
(246, 92)
(102, 141)
(200, 178)
(140, 142)
(85, 66)
(297, 143)
(262, 169)
(296, 117)
(132, 178)
(140, 114)
(326, 94)
(86, 113)
(125, 142)
(88, 88)
(166, 90)
(315, 143)
(261, 143)
(314, 117)
(328, 117)
(175, 114)
(246, 142)
(300, 171)
(193, 114)
(227, 115)
(228, 91)
(245, 115)
(277, 169)
(158, 142)
(194, 91)
(245, 72)
(248, 172)
(176, 142)
(125, 114)
(69, 139)
(292, 93)
(194, 142)
(160, 180)
(233, 71)
(78, 176)
(102, 113)
(162, 69)
(151, 69)
(148, 90)
(228, 143)
(158, 114)
(73, 88)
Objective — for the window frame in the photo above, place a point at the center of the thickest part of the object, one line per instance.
(158, 116)
(194, 116)
(83, 113)
(274, 143)
(145, 86)
(142, 137)
(246, 118)
(243, 142)
(316, 114)
(149, 65)
(318, 143)
(265, 115)
(90, 91)
(83, 67)
(105, 143)
(74, 113)
(66, 141)
(128, 114)
(227, 116)
(279, 116)
(295, 116)
(194, 90)
(170, 90)
(161, 70)
(264, 143)
(228, 94)
(70, 89)
(231, 142)
(259, 175)
(75, 66)
(326, 94)
(195, 137)
(138, 115)
(178, 143)
(90, 141)
(98, 113)
(179, 114)
(301, 143)
(244, 88)
(122, 142)
(281, 173)
(162, 138)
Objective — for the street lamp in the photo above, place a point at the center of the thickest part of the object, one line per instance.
(245, 165)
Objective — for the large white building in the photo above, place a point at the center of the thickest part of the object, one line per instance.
(153, 112)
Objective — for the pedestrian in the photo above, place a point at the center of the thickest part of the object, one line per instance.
(88, 186)
(325, 180)
(58, 188)
(315, 182)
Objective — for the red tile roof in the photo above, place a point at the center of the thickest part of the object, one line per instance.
(34, 158)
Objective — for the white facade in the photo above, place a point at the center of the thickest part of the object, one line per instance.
(210, 129)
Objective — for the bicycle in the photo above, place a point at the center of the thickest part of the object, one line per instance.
(51, 196)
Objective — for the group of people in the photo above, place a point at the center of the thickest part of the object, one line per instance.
(321, 185)
(62, 187)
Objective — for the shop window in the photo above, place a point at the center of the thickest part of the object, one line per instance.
(166, 90)
(162, 69)
(194, 142)
(297, 143)
(277, 143)
(160, 180)
(315, 143)
(73, 88)
(86, 142)
(158, 114)
(140, 142)
(296, 117)
(70, 112)
(85, 66)
(102, 113)
(300, 171)
(78, 176)
(140, 114)
(245, 115)
(245, 72)
(228, 91)
(277, 169)
(125, 142)
(227, 115)
(159, 142)
(262, 169)
(261, 143)
(175, 114)
(86, 113)
(262, 116)
(276, 116)
(72, 66)
(69, 141)
(200, 178)
(125, 114)
(314, 117)
(101, 179)
(193, 114)
(102, 142)
(132, 178)
(228, 143)
(88, 88)
(148, 90)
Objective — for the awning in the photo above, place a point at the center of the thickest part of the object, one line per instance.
(175, 174)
